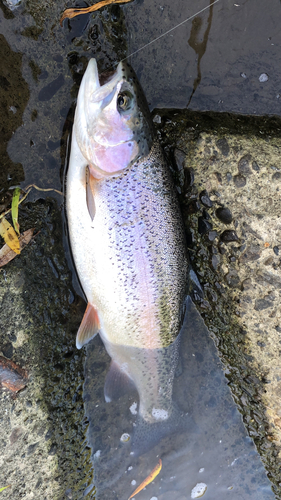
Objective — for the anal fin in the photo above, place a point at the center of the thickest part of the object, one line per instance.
(89, 327)
(117, 383)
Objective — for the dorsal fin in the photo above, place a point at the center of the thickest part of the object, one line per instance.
(89, 327)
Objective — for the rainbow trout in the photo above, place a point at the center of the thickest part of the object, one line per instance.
(127, 240)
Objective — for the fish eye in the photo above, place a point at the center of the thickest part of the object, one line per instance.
(124, 101)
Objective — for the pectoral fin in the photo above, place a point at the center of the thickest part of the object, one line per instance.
(89, 327)
(90, 194)
(117, 383)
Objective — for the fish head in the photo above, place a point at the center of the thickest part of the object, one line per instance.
(113, 126)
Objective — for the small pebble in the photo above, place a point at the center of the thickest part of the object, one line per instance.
(224, 215)
(239, 180)
(204, 198)
(276, 250)
(232, 279)
(215, 261)
(263, 77)
(179, 158)
(212, 235)
(188, 177)
(255, 166)
(244, 165)
(157, 119)
(193, 207)
(203, 225)
(8, 350)
(261, 304)
(223, 146)
(229, 235)
(222, 249)
(246, 285)
(252, 253)
(206, 214)
(218, 176)
(243, 75)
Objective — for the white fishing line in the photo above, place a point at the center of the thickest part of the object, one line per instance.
(169, 31)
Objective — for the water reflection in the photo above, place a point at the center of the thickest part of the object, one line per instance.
(199, 47)
(213, 449)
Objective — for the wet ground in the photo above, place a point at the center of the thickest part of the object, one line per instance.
(227, 59)
(212, 449)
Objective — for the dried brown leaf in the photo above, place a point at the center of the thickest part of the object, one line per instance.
(12, 376)
(70, 13)
(6, 254)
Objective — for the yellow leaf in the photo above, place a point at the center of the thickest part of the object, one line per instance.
(1, 489)
(15, 209)
(8, 233)
(149, 478)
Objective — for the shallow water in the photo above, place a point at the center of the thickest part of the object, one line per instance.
(213, 448)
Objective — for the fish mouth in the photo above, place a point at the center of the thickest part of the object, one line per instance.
(105, 76)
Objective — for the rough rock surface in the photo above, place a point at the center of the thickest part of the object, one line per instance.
(236, 178)
(43, 454)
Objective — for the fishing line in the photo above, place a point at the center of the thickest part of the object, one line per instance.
(169, 31)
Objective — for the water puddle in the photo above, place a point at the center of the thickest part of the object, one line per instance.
(212, 450)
